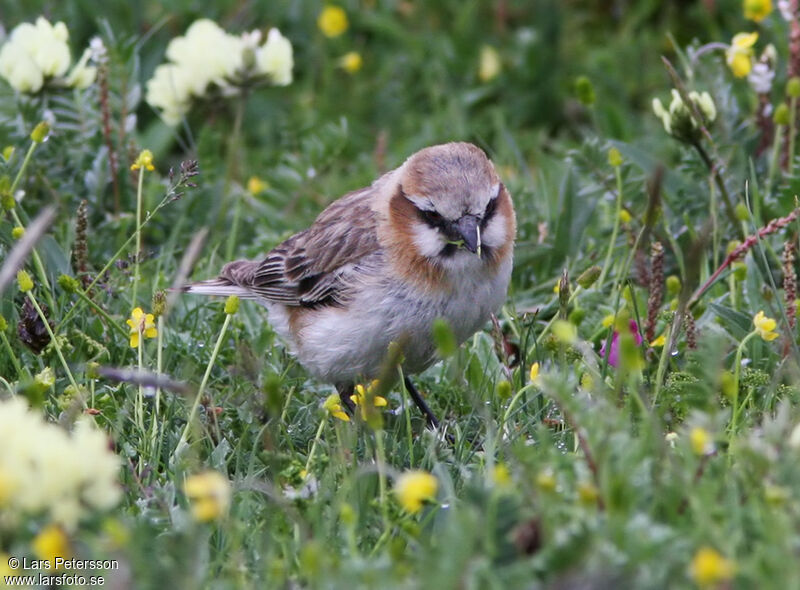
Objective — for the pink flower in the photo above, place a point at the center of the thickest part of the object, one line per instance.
(613, 355)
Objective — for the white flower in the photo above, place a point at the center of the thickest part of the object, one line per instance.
(209, 59)
(785, 8)
(98, 49)
(760, 78)
(18, 67)
(46, 470)
(275, 58)
(82, 75)
(170, 89)
(679, 120)
(35, 53)
(208, 52)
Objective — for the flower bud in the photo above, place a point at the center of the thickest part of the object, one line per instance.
(587, 278)
(741, 212)
(739, 270)
(576, 316)
(25, 281)
(503, 389)
(17, 232)
(159, 303)
(68, 283)
(781, 116)
(673, 285)
(231, 305)
(614, 157)
(793, 87)
(40, 132)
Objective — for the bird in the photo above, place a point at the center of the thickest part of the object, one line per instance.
(433, 238)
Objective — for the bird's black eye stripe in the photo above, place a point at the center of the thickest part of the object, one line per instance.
(491, 208)
(432, 218)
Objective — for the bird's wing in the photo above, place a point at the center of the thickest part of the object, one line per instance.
(318, 266)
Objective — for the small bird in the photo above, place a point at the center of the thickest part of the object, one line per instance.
(431, 239)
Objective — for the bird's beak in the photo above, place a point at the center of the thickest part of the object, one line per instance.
(469, 229)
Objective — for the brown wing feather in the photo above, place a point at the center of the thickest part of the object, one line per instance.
(319, 265)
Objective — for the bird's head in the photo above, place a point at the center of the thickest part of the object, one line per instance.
(452, 208)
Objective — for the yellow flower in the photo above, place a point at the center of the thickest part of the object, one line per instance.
(145, 160)
(501, 475)
(209, 495)
(765, 326)
(565, 332)
(351, 62)
(608, 320)
(256, 186)
(18, 232)
(740, 54)
(490, 64)
(587, 382)
(700, 440)
(587, 492)
(359, 398)
(334, 408)
(141, 324)
(659, 342)
(624, 216)
(415, 487)
(757, 10)
(332, 21)
(534, 374)
(25, 281)
(5, 569)
(709, 568)
(614, 157)
(546, 480)
(51, 542)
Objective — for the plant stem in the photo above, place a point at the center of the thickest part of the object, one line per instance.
(774, 157)
(111, 261)
(60, 354)
(552, 321)
(140, 394)
(13, 357)
(138, 251)
(154, 430)
(37, 261)
(193, 411)
(614, 231)
(407, 406)
(22, 168)
(380, 460)
(736, 371)
(792, 131)
(313, 450)
(723, 190)
(116, 325)
(230, 174)
(662, 364)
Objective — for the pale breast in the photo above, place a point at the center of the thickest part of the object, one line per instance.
(342, 344)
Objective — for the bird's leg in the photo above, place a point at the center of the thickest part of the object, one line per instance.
(412, 391)
(345, 391)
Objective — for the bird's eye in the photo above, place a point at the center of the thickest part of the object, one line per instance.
(432, 218)
(491, 207)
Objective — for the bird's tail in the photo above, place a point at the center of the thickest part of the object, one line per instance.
(220, 286)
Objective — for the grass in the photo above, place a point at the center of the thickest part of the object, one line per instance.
(652, 466)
